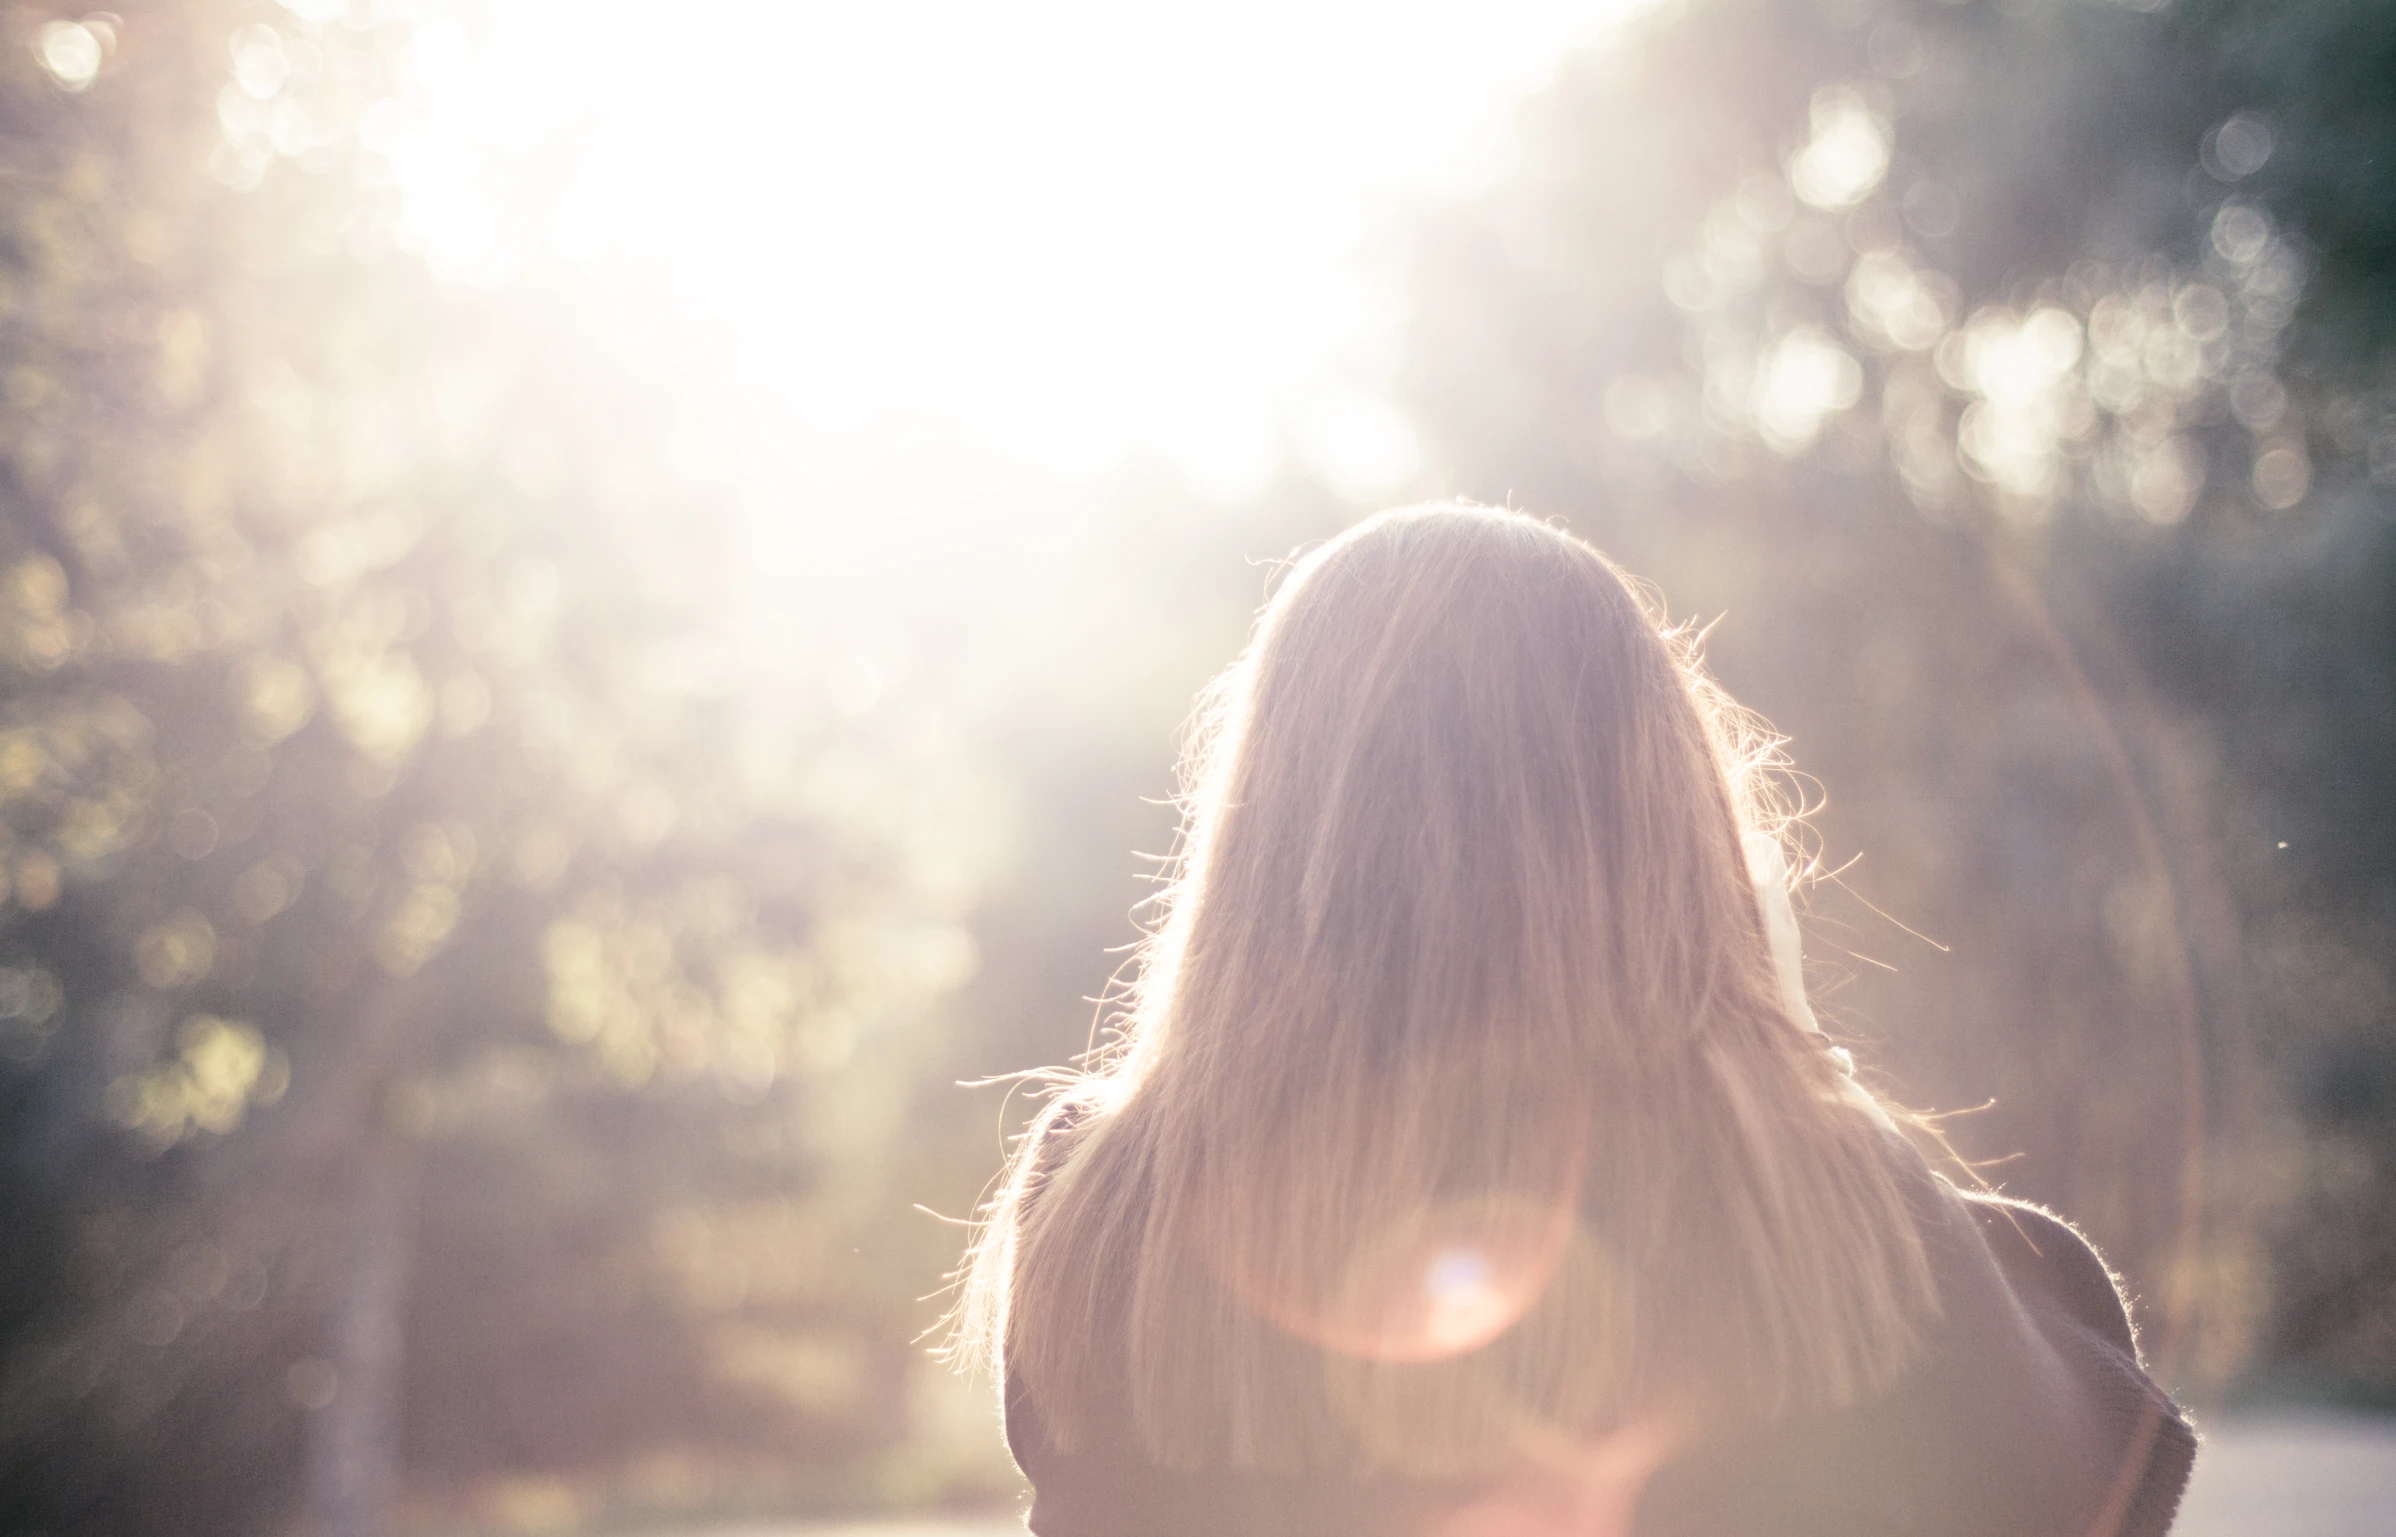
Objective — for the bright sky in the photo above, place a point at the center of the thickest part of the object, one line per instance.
(1077, 229)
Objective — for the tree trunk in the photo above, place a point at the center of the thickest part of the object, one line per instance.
(353, 1441)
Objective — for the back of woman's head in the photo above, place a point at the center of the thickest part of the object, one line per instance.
(1455, 1104)
(1460, 798)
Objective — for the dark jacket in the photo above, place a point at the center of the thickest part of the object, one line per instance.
(2026, 1414)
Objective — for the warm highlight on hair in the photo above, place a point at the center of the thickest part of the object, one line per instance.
(1461, 939)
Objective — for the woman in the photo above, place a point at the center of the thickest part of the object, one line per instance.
(1463, 1164)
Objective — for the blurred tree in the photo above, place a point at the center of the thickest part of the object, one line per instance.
(2015, 377)
(406, 902)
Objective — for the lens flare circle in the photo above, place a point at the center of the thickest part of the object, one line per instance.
(1434, 1284)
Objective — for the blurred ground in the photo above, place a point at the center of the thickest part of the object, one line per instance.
(2294, 1475)
(2310, 1474)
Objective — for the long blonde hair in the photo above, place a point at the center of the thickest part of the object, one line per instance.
(1460, 965)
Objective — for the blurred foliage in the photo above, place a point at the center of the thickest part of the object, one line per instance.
(2014, 377)
(379, 794)
(488, 869)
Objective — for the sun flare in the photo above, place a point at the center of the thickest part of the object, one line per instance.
(1074, 230)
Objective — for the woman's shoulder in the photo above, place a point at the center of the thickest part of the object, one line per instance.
(1977, 1236)
(2051, 1264)
(2026, 1409)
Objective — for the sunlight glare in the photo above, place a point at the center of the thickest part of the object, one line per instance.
(1466, 1305)
(1077, 230)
